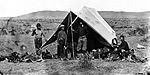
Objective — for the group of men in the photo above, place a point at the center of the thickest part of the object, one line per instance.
(122, 49)
(82, 32)
(62, 39)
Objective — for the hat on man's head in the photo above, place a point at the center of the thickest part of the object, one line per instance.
(38, 25)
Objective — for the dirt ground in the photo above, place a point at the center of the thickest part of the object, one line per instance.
(57, 67)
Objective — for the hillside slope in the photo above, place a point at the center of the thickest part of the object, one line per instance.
(62, 14)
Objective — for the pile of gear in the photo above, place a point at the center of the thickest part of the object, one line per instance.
(16, 57)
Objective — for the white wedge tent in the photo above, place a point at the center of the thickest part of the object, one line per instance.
(100, 33)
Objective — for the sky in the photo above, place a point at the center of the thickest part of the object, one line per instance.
(12, 8)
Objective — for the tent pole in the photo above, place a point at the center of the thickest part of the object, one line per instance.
(72, 35)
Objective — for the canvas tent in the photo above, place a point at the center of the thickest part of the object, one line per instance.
(99, 32)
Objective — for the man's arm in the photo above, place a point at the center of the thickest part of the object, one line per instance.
(65, 46)
(65, 39)
(33, 32)
(44, 37)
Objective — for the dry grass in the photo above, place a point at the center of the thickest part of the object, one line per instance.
(57, 67)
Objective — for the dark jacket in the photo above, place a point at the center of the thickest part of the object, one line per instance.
(81, 31)
(62, 36)
(124, 45)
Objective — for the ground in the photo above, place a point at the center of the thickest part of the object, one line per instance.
(57, 67)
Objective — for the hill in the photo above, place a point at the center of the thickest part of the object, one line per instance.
(115, 14)
(61, 14)
(44, 15)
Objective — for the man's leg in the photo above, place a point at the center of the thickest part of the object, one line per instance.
(61, 51)
(61, 46)
(38, 44)
(66, 53)
(58, 51)
(75, 50)
(71, 51)
(84, 44)
(79, 44)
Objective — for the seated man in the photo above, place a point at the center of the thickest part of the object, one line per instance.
(124, 47)
(115, 53)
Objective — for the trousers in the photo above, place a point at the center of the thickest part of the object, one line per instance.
(82, 43)
(61, 50)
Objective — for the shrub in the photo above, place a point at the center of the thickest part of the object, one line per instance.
(141, 31)
(85, 62)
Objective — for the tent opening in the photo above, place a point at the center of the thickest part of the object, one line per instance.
(94, 40)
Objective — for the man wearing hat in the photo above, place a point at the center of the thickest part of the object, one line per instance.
(38, 33)
(61, 42)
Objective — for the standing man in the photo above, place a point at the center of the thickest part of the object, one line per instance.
(38, 33)
(61, 42)
(82, 40)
